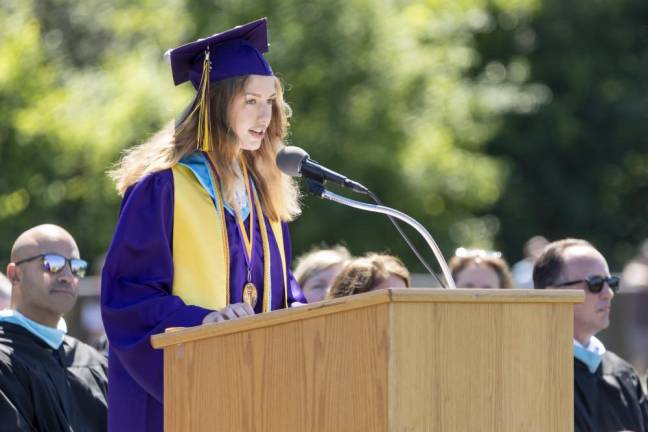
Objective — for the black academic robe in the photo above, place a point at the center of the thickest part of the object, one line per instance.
(611, 399)
(42, 389)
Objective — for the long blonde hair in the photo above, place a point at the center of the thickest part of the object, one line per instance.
(278, 193)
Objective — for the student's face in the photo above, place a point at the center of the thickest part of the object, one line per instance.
(593, 315)
(477, 276)
(316, 287)
(39, 294)
(251, 111)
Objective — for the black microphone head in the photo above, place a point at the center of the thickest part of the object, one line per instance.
(289, 160)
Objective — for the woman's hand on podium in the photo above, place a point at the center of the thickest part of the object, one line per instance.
(229, 312)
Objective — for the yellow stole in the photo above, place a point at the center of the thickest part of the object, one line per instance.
(201, 253)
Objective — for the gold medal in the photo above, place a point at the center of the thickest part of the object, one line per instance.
(250, 294)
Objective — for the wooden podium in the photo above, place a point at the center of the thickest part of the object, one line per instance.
(389, 360)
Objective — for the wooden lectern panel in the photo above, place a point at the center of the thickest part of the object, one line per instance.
(395, 360)
(481, 367)
(328, 373)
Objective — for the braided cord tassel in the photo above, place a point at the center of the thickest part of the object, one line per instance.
(203, 106)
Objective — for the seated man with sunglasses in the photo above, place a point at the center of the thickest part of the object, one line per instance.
(607, 390)
(48, 381)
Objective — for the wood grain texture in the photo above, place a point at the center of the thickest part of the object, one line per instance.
(419, 295)
(472, 295)
(324, 374)
(396, 361)
(481, 367)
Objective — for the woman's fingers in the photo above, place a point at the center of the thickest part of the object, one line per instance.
(229, 312)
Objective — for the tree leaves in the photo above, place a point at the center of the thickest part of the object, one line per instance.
(402, 97)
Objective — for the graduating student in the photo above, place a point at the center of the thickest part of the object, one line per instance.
(48, 381)
(202, 233)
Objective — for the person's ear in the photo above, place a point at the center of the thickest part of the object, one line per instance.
(12, 273)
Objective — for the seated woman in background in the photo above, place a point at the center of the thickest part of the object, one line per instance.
(369, 273)
(478, 268)
(316, 270)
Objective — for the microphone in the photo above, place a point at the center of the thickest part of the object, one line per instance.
(295, 162)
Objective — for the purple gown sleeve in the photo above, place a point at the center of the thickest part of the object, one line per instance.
(136, 293)
(295, 293)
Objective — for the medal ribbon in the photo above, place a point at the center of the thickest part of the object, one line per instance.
(223, 224)
(248, 241)
(254, 203)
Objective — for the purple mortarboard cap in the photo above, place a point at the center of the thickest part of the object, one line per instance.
(234, 52)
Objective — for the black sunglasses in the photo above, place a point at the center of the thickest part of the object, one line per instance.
(595, 283)
(54, 263)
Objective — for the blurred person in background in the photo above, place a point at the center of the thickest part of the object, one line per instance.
(90, 319)
(202, 235)
(634, 281)
(5, 292)
(608, 395)
(370, 273)
(522, 271)
(316, 270)
(635, 273)
(48, 381)
(479, 268)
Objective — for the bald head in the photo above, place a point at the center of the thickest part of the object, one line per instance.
(574, 261)
(549, 266)
(37, 292)
(32, 241)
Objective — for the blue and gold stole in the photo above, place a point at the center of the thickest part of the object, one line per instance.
(200, 247)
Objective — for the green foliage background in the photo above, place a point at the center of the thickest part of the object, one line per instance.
(488, 121)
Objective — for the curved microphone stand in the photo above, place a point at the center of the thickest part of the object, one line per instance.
(319, 190)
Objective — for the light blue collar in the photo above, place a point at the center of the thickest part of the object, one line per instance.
(592, 355)
(198, 165)
(50, 335)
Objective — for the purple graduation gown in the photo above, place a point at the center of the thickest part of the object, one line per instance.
(137, 297)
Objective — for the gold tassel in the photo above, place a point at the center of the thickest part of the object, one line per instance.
(203, 107)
